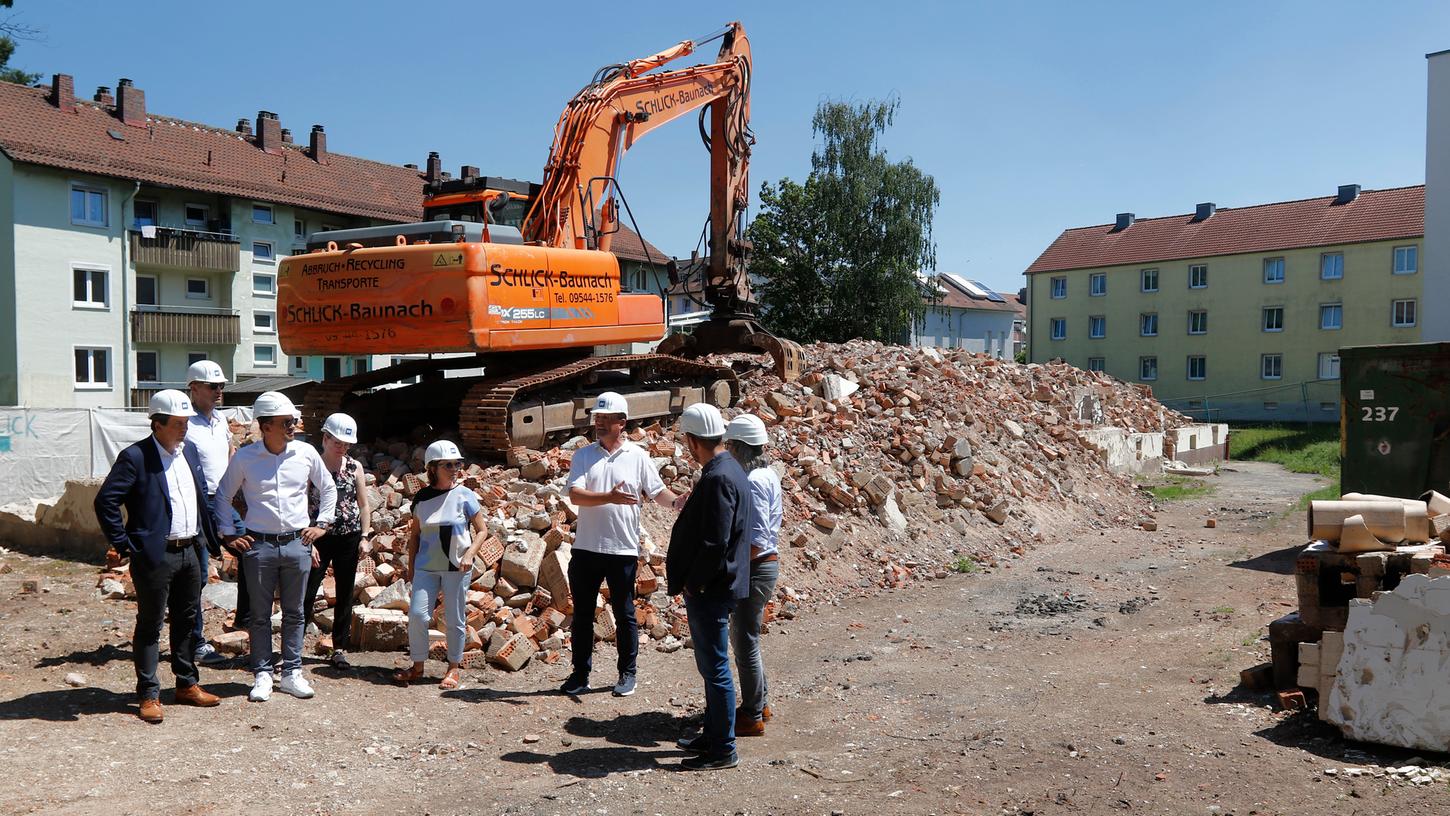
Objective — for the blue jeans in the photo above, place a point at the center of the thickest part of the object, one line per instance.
(425, 590)
(710, 631)
(745, 637)
(268, 566)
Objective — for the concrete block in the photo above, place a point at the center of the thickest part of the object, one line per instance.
(393, 596)
(512, 651)
(522, 560)
(379, 629)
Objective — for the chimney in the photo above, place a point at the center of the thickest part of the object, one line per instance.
(1347, 193)
(435, 168)
(469, 172)
(317, 148)
(244, 127)
(131, 104)
(269, 132)
(1124, 220)
(286, 136)
(63, 92)
(103, 96)
(1204, 211)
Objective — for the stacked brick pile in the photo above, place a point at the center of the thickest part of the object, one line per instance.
(895, 461)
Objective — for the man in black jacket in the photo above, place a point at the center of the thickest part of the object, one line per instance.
(160, 484)
(709, 561)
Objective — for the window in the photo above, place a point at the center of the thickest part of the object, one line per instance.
(1198, 276)
(1403, 315)
(1098, 284)
(331, 368)
(1331, 316)
(264, 322)
(87, 206)
(1331, 266)
(1328, 365)
(1273, 318)
(1197, 367)
(193, 357)
(299, 229)
(1198, 322)
(1059, 328)
(148, 291)
(1149, 280)
(1095, 364)
(1273, 270)
(198, 288)
(1271, 406)
(1148, 324)
(146, 370)
(1097, 327)
(262, 252)
(359, 365)
(92, 289)
(264, 355)
(197, 216)
(264, 283)
(1147, 368)
(1407, 260)
(1271, 366)
(144, 213)
(1059, 288)
(93, 368)
(262, 214)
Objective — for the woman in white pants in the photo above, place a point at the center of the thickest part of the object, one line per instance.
(448, 528)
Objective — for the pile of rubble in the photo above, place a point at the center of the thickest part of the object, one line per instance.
(896, 462)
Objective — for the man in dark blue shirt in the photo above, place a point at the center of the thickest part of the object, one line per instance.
(709, 561)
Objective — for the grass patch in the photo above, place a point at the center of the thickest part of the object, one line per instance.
(1330, 493)
(1224, 610)
(1312, 449)
(963, 565)
(1179, 488)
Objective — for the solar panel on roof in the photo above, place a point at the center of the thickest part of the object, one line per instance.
(991, 295)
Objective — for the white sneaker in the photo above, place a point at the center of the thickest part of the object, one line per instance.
(261, 688)
(295, 684)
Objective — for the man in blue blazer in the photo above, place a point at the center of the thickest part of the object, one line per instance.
(159, 481)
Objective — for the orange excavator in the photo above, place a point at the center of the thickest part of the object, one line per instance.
(514, 284)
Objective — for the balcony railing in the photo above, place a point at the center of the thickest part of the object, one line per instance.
(186, 249)
(192, 326)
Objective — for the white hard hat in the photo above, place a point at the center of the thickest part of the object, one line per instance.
(442, 449)
(205, 371)
(703, 420)
(342, 427)
(747, 428)
(610, 403)
(274, 403)
(170, 402)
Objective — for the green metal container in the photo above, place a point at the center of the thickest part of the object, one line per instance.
(1395, 419)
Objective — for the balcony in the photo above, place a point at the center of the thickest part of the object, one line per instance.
(190, 326)
(141, 395)
(186, 249)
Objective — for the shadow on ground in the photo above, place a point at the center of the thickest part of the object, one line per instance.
(71, 704)
(644, 741)
(1280, 562)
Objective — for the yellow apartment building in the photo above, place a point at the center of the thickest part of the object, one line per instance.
(1235, 314)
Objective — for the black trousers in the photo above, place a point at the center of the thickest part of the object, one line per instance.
(338, 550)
(174, 586)
(587, 570)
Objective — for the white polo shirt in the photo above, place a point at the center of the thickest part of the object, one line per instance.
(612, 529)
(213, 439)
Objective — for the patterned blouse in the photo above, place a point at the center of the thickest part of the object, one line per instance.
(349, 513)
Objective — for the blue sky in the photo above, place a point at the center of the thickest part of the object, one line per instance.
(1032, 117)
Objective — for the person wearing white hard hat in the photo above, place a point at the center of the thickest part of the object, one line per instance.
(746, 438)
(709, 562)
(212, 435)
(351, 524)
(447, 531)
(160, 484)
(607, 478)
(277, 549)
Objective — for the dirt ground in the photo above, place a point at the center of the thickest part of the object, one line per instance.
(1097, 674)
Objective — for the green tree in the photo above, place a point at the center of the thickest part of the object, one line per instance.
(840, 254)
(9, 27)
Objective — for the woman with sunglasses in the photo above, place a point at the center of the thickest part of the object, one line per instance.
(448, 529)
(339, 547)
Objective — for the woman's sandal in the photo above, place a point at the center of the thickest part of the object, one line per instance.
(451, 681)
(405, 676)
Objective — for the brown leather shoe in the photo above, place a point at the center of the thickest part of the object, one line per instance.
(150, 710)
(749, 728)
(765, 714)
(197, 696)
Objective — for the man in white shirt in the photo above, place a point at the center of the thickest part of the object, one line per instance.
(272, 475)
(209, 431)
(606, 480)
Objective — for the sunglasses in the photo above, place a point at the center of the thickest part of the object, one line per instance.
(215, 386)
(450, 465)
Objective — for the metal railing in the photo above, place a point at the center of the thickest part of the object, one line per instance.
(181, 248)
